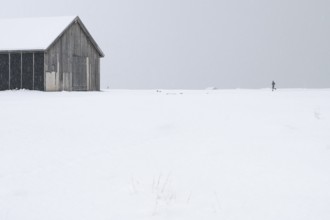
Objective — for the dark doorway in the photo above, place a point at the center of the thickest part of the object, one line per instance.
(4, 71)
(27, 71)
(15, 71)
(39, 71)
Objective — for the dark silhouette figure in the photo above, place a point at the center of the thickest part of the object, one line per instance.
(273, 86)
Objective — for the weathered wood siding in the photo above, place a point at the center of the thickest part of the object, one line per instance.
(63, 62)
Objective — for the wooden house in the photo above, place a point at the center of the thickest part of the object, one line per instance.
(48, 54)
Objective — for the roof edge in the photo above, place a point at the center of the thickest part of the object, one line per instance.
(83, 27)
(89, 36)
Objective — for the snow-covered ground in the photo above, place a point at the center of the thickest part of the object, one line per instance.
(215, 154)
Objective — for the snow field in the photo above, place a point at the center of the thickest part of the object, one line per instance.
(117, 154)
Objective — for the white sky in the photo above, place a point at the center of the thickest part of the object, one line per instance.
(194, 44)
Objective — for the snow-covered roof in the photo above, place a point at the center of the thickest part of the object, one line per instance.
(31, 33)
(22, 34)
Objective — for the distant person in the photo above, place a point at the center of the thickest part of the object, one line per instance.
(273, 86)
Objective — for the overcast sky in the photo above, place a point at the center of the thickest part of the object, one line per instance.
(194, 44)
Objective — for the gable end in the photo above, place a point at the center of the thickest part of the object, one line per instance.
(82, 26)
